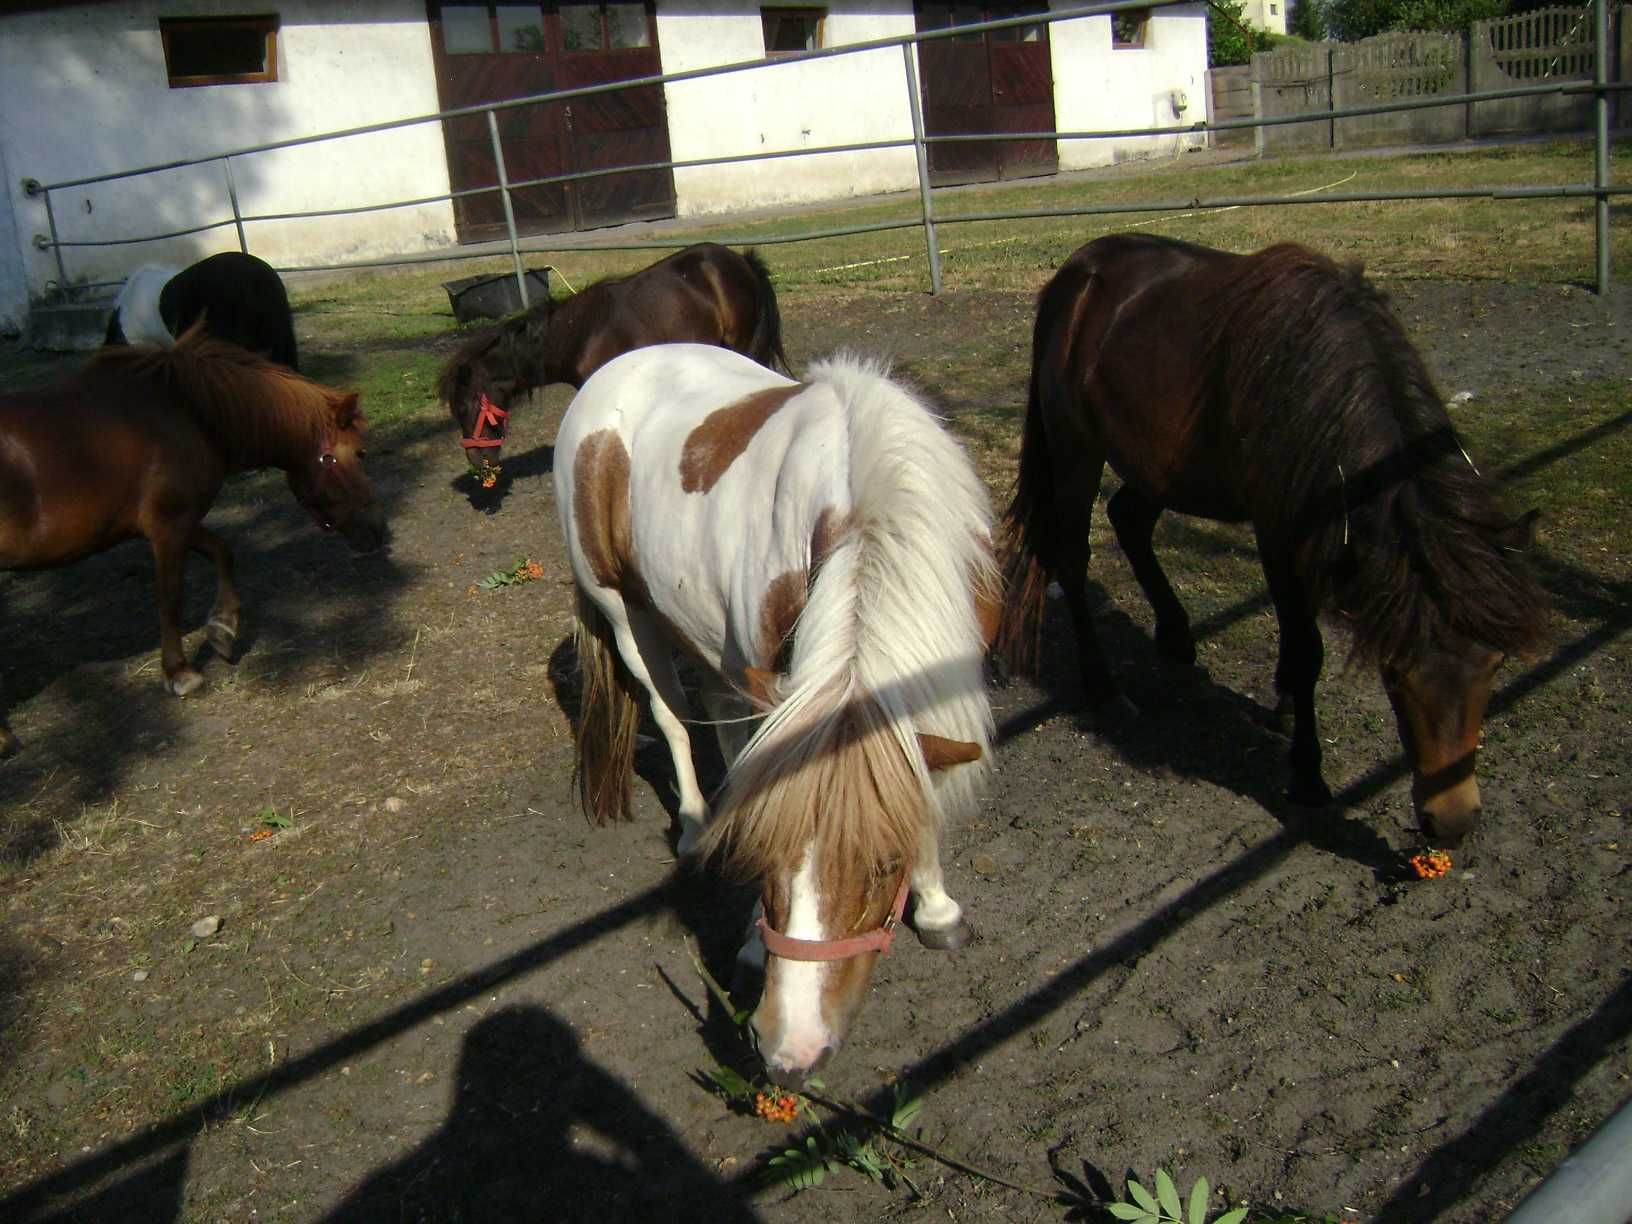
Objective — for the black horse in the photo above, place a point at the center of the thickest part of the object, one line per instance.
(240, 299)
(705, 294)
(1275, 389)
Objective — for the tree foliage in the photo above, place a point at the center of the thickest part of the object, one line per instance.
(1351, 20)
(1228, 37)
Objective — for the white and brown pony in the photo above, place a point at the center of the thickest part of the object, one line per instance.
(822, 551)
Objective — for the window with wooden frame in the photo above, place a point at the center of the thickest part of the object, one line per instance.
(1128, 29)
(791, 30)
(220, 50)
(604, 27)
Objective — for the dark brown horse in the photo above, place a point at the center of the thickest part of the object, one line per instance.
(1276, 389)
(138, 444)
(705, 294)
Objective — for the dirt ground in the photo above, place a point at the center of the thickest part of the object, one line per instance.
(437, 994)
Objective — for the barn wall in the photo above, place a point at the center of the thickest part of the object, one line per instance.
(1097, 86)
(845, 100)
(85, 91)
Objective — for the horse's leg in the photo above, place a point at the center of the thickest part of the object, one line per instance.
(731, 717)
(1134, 517)
(222, 630)
(1074, 489)
(170, 565)
(936, 917)
(1301, 655)
(8, 742)
(649, 658)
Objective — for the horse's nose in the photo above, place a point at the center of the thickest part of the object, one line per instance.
(784, 1076)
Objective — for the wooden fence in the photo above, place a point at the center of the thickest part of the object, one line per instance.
(1532, 48)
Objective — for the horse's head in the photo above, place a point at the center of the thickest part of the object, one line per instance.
(478, 384)
(833, 894)
(824, 928)
(1439, 705)
(331, 483)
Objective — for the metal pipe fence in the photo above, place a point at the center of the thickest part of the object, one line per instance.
(1600, 189)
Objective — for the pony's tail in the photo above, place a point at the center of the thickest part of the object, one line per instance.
(1026, 529)
(607, 716)
(766, 345)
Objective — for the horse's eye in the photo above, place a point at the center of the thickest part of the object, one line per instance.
(362, 454)
(327, 458)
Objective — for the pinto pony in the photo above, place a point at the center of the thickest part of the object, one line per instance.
(822, 551)
(1276, 389)
(138, 444)
(707, 294)
(235, 295)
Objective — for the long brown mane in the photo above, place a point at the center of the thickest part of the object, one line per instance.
(1387, 517)
(250, 408)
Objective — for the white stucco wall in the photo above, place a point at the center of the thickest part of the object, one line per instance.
(1258, 14)
(845, 100)
(851, 99)
(84, 91)
(1097, 86)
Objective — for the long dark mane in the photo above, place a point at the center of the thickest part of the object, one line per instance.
(1364, 476)
(503, 352)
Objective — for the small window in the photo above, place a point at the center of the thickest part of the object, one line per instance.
(521, 28)
(1274, 10)
(220, 50)
(604, 27)
(788, 30)
(1128, 28)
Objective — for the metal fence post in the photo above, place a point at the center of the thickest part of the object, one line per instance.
(509, 212)
(56, 246)
(1600, 109)
(922, 151)
(232, 195)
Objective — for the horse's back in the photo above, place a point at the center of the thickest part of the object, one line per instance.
(240, 298)
(136, 317)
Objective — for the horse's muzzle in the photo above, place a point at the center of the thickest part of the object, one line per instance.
(365, 530)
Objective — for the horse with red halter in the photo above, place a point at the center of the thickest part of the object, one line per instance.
(706, 293)
(822, 551)
(139, 442)
(1276, 389)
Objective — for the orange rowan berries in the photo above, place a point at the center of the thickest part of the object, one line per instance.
(1430, 866)
(780, 1107)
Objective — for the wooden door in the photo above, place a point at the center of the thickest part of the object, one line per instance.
(977, 83)
(488, 52)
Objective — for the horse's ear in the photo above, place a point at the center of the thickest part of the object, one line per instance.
(942, 753)
(763, 685)
(346, 411)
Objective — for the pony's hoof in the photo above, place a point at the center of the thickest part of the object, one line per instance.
(1114, 711)
(948, 939)
(222, 637)
(183, 682)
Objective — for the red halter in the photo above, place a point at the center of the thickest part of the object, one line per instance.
(488, 413)
(877, 940)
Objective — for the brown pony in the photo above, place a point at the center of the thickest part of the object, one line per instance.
(707, 294)
(1277, 389)
(138, 444)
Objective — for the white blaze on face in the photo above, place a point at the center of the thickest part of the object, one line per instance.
(797, 985)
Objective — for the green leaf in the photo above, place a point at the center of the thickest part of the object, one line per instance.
(1232, 1217)
(1142, 1196)
(1127, 1211)
(1168, 1194)
(730, 1083)
(906, 1109)
(272, 820)
(1198, 1201)
(741, 1018)
(815, 1083)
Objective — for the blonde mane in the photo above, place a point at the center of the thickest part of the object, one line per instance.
(888, 645)
(253, 410)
